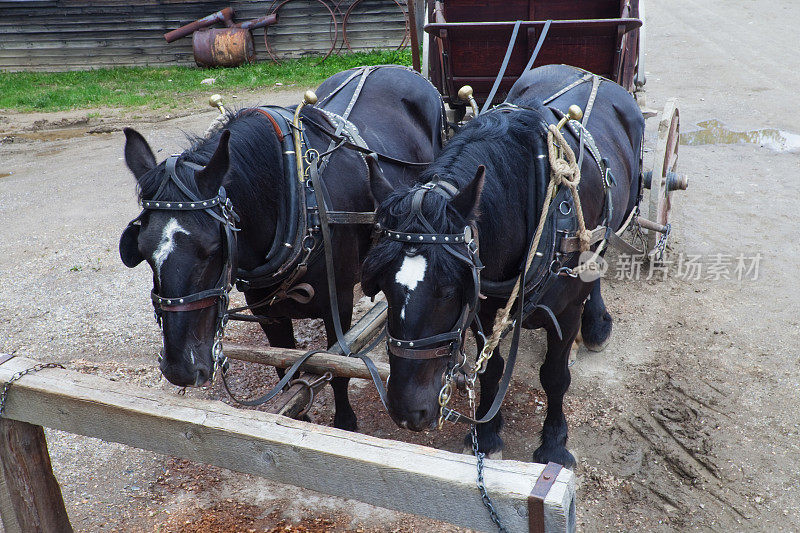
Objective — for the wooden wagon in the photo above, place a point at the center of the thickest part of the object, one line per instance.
(467, 41)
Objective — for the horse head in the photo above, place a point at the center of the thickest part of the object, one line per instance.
(426, 265)
(188, 248)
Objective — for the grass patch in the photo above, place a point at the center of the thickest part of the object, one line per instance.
(164, 87)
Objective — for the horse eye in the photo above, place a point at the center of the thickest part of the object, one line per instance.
(205, 253)
(446, 292)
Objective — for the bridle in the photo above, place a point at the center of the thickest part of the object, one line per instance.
(451, 343)
(221, 209)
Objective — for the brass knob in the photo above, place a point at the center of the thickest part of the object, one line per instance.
(216, 101)
(310, 98)
(465, 92)
(575, 112)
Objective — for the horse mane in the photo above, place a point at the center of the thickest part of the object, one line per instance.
(255, 165)
(503, 142)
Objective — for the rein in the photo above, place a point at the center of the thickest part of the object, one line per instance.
(315, 227)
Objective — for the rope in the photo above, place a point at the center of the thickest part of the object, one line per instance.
(215, 125)
(564, 170)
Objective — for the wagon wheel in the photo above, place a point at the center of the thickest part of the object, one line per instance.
(663, 179)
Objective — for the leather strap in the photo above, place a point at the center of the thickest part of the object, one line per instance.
(539, 44)
(351, 217)
(192, 306)
(488, 103)
(318, 186)
(420, 354)
(271, 119)
(573, 244)
(343, 141)
(621, 244)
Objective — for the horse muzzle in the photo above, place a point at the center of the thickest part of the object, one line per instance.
(188, 371)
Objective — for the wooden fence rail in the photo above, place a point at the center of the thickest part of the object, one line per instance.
(395, 475)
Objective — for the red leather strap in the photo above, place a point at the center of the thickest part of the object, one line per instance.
(272, 121)
(418, 353)
(191, 306)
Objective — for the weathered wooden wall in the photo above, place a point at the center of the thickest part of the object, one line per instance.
(79, 34)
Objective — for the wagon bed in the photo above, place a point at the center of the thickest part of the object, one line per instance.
(469, 38)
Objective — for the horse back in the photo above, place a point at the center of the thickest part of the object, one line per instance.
(397, 112)
(615, 122)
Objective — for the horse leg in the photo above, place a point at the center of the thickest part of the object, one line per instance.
(555, 377)
(596, 321)
(489, 440)
(344, 417)
(280, 334)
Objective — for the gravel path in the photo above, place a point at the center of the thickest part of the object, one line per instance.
(688, 420)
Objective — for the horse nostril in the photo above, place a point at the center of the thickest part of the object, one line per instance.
(201, 376)
(416, 419)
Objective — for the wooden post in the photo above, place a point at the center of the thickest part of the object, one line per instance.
(396, 475)
(343, 367)
(31, 499)
(292, 401)
(413, 30)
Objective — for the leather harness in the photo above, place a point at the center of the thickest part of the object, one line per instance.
(556, 248)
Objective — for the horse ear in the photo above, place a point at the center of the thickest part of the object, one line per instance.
(210, 178)
(129, 246)
(466, 202)
(378, 185)
(138, 154)
(369, 287)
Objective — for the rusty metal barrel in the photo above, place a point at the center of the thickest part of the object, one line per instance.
(228, 47)
(223, 47)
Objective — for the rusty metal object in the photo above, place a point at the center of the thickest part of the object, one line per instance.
(406, 34)
(274, 11)
(259, 22)
(224, 16)
(538, 495)
(223, 47)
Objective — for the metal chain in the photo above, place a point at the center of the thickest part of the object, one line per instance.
(446, 391)
(487, 501)
(661, 246)
(19, 375)
(479, 456)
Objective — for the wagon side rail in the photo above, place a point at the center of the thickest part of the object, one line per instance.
(471, 52)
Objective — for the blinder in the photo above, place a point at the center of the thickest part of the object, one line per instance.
(219, 208)
(432, 347)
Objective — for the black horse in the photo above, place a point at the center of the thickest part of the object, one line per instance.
(397, 113)
(490, 166)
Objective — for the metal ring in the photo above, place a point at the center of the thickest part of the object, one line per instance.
(306, 246)
(565, 208)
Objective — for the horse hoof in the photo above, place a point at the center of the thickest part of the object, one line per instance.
(597, 347)
(347, 423)
(554, 455)
(597, 334)
(493, 455)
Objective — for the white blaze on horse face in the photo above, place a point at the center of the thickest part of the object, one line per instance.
(411, 272)
(167, 244)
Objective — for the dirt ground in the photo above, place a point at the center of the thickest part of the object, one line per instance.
(687, 421)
